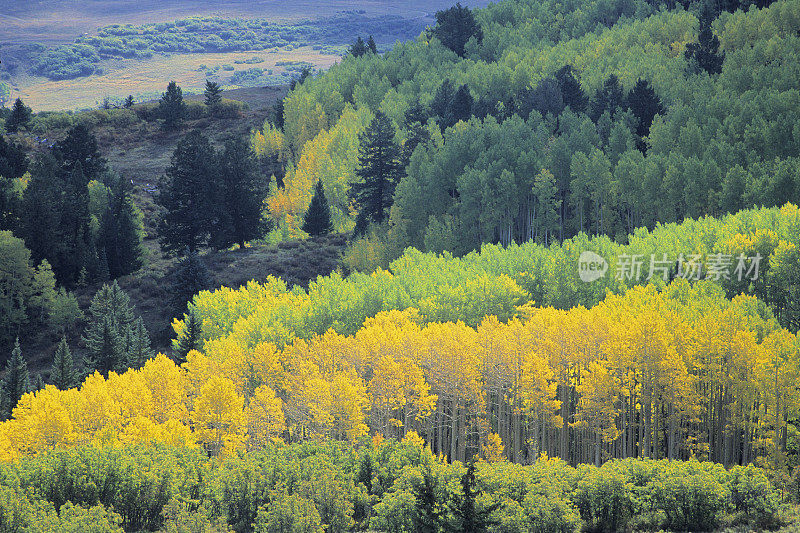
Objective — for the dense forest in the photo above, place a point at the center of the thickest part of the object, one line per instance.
(457, 372)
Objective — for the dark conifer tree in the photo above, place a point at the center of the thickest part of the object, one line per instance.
(171, 107)
(468, 516)
(62, 373)
(40, 223)
(190, 338)
(460, 107)
(74, 235)
(79, 147)
(427, 517)
(379, 171)
(137, 344)
(128, 102)
(191, 277)
(20, 116)
(121, 231)
(545, 98)
(213, 94)
(13, 162)
(111, 317)
(186, 197)
(277, 113)
(609, 98)
(358, 48)
(704, 55)
(237, 192)
(371, 45)
(571, 91)
(645, 105)
(441, 100)
(317, 220)
(16, 383)
(456, 26)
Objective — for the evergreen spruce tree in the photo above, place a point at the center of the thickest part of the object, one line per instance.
(171, 107)
(237, 191)
(186, 197)
(609, 98)
(121, 232)
(62, 373)
(317, 220)
(13, 161)
(79, 148)
(40, 220)
(456, 26)
(371, 45)
(468, 517)
(20, 116)
(645, 105)
(190, 338)
(704, 55)
(380, 169)
(138, 344)
(16, 383)
(358, 48)
(128, 102)
(74, 232)
(440, 105)
(191, 277)
(544, 98)
(460, 107)
(40, 384)
(571, 91)
(212, 94)
(111, 317)
(427, 517)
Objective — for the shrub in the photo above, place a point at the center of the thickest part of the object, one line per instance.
(753, 496)
(603, 498)
(691, 494)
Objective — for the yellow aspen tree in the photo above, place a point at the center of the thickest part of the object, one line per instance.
(218, 416)
(265, 420)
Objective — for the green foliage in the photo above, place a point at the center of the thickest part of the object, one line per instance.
(212, 94)
(289, 514)
(113, 331)
(455, 27)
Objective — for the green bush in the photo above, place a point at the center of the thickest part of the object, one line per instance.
(754, 497)
(289, 514)
(604, 498)
(691, 494)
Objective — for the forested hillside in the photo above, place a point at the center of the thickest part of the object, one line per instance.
(569, 301)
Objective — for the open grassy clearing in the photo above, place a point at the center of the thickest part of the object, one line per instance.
(145, 79)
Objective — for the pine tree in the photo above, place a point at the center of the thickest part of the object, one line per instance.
(121, 232)
(138, 344)
(190, 338)
(111, 316)
(191, 277)
(645, 105)
(13, 161)
(20, 116)
(371, 45)
(128, 102)
(460, 107)
(545, 98)
(456, 26)
(74, 232)
(106, 347)
(186, 197)
(317, 220)
(380, 169)
(609, 98)
(62, 373)
(16, 383)
(468, 517)
(358, 48)
(171, 107)
(704, 55)
(40, 221)
(213, 94)
(427, 516)
(571, 91)
(238, 192)
(441, 100)
(79, 147)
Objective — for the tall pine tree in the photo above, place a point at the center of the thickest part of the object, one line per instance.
(317, 220)
(122, 231)
(238, 192)
(191, 337)
(186, 197)
(212, 94)
(171, 107)
(455, 27)
(380, 169)
(20, 116)
(16, 383)
(704, 55)
(191, 277)
(111, 317)
(62, 373)
(645, 105)
(137, 344)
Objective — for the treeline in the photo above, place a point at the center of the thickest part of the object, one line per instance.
(380, 485)
(529, 136)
